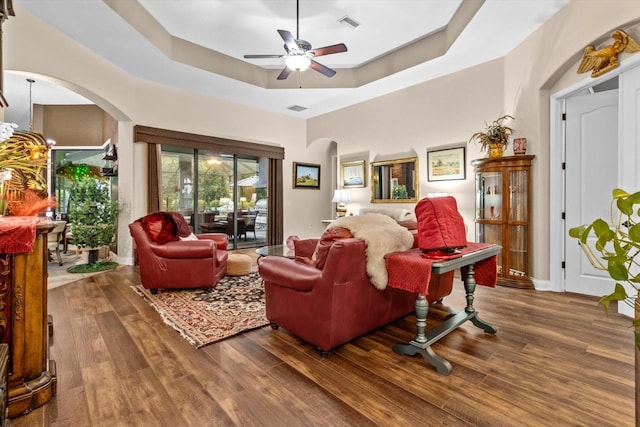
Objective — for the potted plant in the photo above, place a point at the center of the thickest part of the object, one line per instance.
(495, 137)
(93, 218)
(615, 251)
(400, 192)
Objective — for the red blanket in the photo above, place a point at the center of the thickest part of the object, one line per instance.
(17, 234)
(411, 271)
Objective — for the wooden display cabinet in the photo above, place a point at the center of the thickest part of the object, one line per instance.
(24, 325)
(503, 214)
(4, 373)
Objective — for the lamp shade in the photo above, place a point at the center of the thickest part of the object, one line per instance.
(297, 62)
(341, 196)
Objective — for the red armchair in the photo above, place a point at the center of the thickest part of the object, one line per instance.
(331, 306)
(169, 262)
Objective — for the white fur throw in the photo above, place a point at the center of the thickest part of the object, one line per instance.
(382, 235)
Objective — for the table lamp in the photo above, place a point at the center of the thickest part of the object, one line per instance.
(341, 197)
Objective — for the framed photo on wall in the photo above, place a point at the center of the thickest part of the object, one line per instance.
(306, 175)
(353, 174)
(446, 165)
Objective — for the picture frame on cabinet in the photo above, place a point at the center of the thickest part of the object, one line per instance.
(306, 175)
(353, 174)
(447, 164)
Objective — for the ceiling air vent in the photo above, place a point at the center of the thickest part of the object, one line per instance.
(349, 21)
(297, 108)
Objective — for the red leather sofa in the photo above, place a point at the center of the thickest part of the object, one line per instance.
(167, 262)
(330, 306)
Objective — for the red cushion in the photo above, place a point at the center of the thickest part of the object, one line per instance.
(329, 236)
(440, 225)
(160, 227)
(183, 228)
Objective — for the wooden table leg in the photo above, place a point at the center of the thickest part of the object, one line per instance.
(470, 288)
(421, 344)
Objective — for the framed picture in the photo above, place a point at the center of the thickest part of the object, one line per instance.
(393, 184)
(353, 174)
(306, 175)
(446, 165)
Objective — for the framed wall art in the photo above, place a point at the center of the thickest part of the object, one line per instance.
(353, 174)
(446, 165)
(306, 175)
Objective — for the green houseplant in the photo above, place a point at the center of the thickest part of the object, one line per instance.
(400, 192)
(93, 216)
(616, 251)
(495, 137)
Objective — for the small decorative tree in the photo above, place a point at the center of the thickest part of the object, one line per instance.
(400, 192)
(93, 216)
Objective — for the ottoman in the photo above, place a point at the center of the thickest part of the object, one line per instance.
(238, 265)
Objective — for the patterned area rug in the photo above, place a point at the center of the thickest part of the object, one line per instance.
(204, 316)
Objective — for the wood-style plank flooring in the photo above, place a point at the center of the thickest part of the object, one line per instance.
(556, 360)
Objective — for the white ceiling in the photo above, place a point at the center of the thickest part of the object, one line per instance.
(225, 30)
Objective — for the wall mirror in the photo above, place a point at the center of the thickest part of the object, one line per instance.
(394, 181)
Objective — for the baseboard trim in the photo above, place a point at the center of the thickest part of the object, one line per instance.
(544, 285)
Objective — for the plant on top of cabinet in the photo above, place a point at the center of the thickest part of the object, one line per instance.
(495, 137)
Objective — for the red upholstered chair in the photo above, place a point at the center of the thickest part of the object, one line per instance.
(167, 262)
(330, 306)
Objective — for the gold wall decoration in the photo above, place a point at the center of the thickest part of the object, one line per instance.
(24, 155)
(606, 59)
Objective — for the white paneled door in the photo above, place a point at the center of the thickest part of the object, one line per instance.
(591, 174)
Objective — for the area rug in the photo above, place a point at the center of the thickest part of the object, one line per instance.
(204, 316)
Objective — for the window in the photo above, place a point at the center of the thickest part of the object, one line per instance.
(220, 194)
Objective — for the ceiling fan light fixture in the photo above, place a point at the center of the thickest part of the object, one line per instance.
(297, 62)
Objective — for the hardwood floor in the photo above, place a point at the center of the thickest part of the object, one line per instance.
(556, 360)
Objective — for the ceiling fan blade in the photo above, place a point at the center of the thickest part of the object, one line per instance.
(328, 50)
(322, 68)
(289, 41)
(262, 56)
(284, 73)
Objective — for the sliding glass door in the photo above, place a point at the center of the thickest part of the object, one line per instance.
(221, 193)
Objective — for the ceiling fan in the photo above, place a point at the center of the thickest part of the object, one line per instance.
(299, 54)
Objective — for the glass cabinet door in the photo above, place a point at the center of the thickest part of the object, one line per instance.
(518, 253)
(518, 186)
(489, 195)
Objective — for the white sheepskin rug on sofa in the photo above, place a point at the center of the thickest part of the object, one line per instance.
(382, 235)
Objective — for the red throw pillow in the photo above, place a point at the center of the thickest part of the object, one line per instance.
(160, 227)
(183, 229)
(329, 236)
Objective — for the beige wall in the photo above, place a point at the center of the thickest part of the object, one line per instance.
(437, 114)
(441, 113)
(76, 125)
